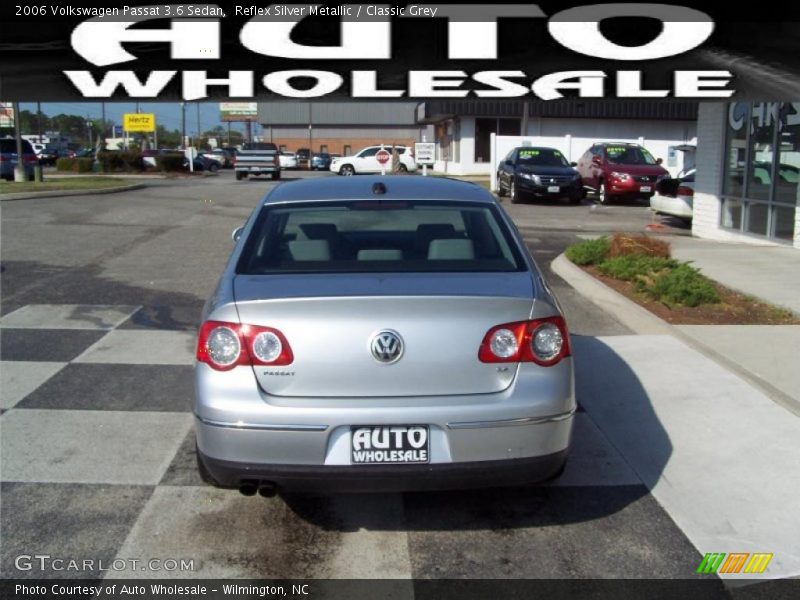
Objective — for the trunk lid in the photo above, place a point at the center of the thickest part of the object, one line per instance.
(441, 325)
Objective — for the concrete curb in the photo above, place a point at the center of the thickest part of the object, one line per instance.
(67, 193)
(643, 322)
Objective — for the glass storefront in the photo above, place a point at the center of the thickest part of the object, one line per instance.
(761, 187)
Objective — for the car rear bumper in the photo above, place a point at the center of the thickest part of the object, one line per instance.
(387, 478)
(259, 169)
(679, 206)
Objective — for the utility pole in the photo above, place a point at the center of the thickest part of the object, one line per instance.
(229, 133)
(19, 169)
(198, 123)
(183, 124)
(39, 120)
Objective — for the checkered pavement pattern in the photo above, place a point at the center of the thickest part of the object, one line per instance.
(97, 462)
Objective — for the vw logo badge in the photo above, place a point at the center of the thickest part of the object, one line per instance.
(386, 346)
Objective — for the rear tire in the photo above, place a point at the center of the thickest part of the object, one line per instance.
(402, 169)
(240, 175)
(347, 170)
(276, 176)
(213, 167)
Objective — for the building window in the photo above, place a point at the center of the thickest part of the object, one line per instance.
(282, 148)
(761, 183)
(323, 148)
(484, 128)
(348, 151)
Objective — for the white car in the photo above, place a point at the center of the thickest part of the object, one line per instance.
(288, 160)
(364, 161)
(675, 197)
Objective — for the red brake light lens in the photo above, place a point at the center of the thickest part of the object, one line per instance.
(685, 191)
(223, 346)
(542, 341)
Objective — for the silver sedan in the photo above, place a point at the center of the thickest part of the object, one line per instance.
(381, 333)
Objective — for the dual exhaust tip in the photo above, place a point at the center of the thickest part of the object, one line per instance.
(266, 489)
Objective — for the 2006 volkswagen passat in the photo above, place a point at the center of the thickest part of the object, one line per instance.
(384, 333)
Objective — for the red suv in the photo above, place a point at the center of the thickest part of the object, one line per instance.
(616, 170)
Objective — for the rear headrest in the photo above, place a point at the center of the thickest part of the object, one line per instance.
(310, 250)
(319, 231)
(451, 250)
(380, 254)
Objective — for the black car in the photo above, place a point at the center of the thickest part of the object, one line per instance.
(540, 173)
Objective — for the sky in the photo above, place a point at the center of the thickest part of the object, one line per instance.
(167, 114)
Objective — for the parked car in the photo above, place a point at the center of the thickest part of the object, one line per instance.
(257, 158)
(321, 161)
(224, 156)
(303, 158)
(202, 163)
(288, 160)
(675, 197)
(8, 158)
(617, 170)
(356, 345)
(364, 161)
(47, 155)
(538, 172)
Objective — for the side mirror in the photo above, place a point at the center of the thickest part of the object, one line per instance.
(237, 233)
(596, 160)
(510, 163)
(573, 164)
(659, 161)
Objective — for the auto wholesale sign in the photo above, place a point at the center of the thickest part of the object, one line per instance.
(376, 52)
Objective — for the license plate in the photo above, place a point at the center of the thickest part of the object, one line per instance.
(389, 444)
(645, 188)
(553, 189)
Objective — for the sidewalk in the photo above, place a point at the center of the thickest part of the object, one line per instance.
(760, 354)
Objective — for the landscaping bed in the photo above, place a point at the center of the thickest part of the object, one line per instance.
(64, 184)
(640, 268)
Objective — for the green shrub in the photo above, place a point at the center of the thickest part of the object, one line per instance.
(589, 252)
(632, 267)
(169, 162)
(84, 165)
(683, 285)
(110, 161)
(65, 164)
(131, 161)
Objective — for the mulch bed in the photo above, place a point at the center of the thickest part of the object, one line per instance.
(735, 308)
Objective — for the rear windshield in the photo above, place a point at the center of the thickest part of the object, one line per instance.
(379, 236)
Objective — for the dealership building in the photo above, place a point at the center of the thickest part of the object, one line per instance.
(747, 154)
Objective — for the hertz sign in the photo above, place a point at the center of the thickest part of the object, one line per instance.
(139, 122)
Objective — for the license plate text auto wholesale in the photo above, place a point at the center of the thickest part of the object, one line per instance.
(389, 444)
(645, 188)
(553, 189)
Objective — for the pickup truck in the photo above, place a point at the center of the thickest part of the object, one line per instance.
(257, 158)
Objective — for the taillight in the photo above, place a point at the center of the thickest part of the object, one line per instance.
(224, 346)
(30, 158)
(542, 341)
(233, 160)
(685, 191)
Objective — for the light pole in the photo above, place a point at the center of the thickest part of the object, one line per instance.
(89, 129)
(183, 124)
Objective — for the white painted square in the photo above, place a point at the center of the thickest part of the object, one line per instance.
(20, 378)
(89, 446)
(137, 347)
(68, 316)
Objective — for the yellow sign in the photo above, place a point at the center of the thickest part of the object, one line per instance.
(139, 122)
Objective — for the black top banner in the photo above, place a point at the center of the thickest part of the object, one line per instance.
(526, 51)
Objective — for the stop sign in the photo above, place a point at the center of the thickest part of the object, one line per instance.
(383, 156)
